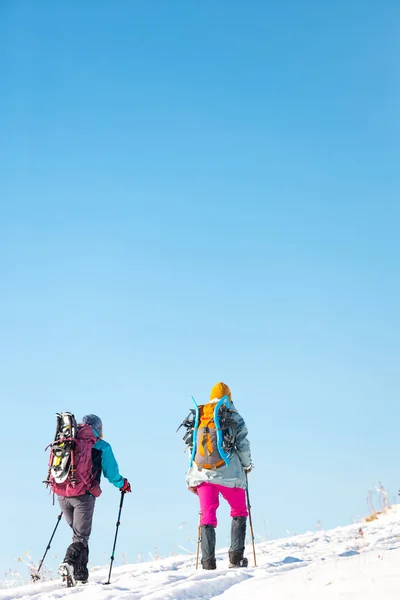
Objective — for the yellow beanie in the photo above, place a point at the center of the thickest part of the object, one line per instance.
(220, 390)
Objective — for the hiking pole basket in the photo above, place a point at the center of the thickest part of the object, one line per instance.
(250, 519)
(198, 541)
(35, 576)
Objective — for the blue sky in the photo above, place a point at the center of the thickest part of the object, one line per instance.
(195, 192)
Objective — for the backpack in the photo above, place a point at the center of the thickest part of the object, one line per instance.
(70, 463)
(211, 433)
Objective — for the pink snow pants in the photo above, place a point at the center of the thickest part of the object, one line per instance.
(208, 494)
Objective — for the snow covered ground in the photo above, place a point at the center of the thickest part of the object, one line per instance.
(353, 562)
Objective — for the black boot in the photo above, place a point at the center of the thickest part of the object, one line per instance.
(77, 555)
(208, 547)
(72, 560)
(238, 536)
(80, 569)
(209, 564)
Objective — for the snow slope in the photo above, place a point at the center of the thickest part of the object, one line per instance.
(353, 562)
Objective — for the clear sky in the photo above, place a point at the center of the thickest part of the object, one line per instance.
(193, 192)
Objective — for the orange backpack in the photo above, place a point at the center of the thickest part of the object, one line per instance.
(214, 434)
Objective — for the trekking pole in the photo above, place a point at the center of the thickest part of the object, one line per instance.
(36, 576)
(250, 520)
(115, 539)
(198, 541)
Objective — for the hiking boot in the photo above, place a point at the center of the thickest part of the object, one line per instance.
(81, 575)
(67, 573)
(236, 561)
(209, 564)
(77, 556)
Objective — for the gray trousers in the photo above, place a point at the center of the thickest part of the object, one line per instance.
(78, 512)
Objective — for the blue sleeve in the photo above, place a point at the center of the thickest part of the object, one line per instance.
(242, 443)
(110, 466)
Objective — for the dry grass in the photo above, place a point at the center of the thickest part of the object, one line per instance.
(377, 502)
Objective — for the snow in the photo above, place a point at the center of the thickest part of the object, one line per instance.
(361, 560)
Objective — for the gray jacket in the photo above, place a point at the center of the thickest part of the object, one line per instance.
(231, 475)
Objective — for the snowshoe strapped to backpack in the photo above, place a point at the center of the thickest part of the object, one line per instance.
(211, 433)
(70, 463)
